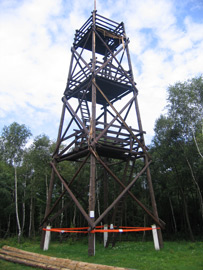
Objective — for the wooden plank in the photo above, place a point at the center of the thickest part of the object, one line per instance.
(46, 262)
(29, 263)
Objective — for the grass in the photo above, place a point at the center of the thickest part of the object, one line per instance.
(136, 255)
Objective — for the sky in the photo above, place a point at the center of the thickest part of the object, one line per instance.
(166, 46)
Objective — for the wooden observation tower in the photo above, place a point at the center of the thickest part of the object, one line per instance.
(100, 125)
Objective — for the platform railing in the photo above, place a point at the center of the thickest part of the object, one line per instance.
(101, 22)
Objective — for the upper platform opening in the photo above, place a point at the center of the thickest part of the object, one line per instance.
(112, 32)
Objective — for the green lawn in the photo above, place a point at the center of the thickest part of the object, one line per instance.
(136, 255)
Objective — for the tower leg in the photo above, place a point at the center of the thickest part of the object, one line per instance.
(105, 235)
(155, 237)
(91, 244)
(47, 239)
(91, 236)
(154, 207)
(51, 185)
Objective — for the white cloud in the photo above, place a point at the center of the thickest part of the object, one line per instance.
(36, 37)
(34, 69)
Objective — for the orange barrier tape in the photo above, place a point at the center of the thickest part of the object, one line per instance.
(124, 230)
(120, 230)
(82, 228)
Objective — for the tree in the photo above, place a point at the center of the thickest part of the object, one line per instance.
(7, 198)
(185, 107)
(14, 139)
(186, 110)
(36, 163)
(175, 151)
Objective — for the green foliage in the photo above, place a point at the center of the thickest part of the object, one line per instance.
(32, 181)
(14, 138)
(185, 104)
(7, 206)
(177, 166)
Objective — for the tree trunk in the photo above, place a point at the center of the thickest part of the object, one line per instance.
(187, 216)
(197, 146)
(47, 188)
(31, 209)
(33, 217)
(197, 187)
(8, 226)
(74, 216)
(193, 176)
(185, 209)
(23, 219)
(62, 206)
(173, 216)
(16, 203)
(144, 232)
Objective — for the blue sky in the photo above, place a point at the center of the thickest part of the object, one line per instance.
(166, 46)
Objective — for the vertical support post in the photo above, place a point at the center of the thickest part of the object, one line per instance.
(151, 190)
(51, 184)
(149, 179)
(155, 237)
(105, 196)
(154, 206)
(105, 235)
(91, 237)
(105, 176)
(48, 206)
(47, 238)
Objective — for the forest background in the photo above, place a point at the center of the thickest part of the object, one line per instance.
(177, 174)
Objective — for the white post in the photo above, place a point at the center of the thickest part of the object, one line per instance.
(91, 237)
(47, 238)
(105, 234)
(155, 237)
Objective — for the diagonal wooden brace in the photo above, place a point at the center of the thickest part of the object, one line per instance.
(109, 60)
(129, 192)
(75, 115)
(63, 193)
(113, 120)
(114, 57)
(121, 195)
(123, 121)
(73, 197)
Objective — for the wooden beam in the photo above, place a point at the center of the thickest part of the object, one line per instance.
(73, 197)
(129, 192)
(126, 189)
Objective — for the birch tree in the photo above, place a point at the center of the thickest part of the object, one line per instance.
(14, 139)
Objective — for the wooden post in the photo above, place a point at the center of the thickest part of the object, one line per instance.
(151, 190)
(155, 237)
(91, 238)
(48, 205)
(51, 184)
(47, 238)
(92, 133)
(154, 206)
(105, 235)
